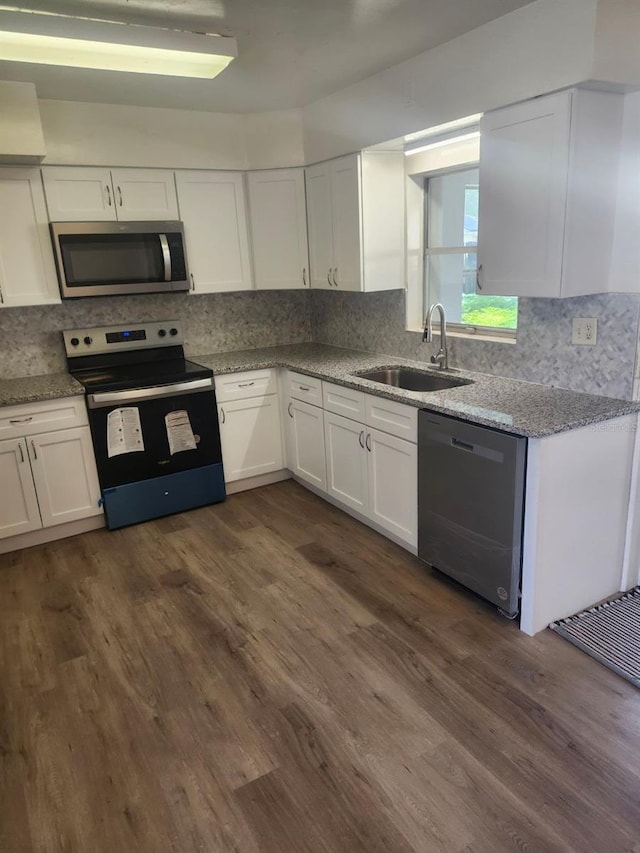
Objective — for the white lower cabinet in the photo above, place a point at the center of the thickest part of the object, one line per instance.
(250, 437)
(65, 475)
(18, 502)
(47, 479)
(346, 461)
(393, 484)
(305, 443)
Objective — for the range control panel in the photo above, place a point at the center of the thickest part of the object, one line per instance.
(101, 339)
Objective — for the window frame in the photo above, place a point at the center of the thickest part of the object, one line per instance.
(418, 301)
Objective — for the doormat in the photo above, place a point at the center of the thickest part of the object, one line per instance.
(610, 633)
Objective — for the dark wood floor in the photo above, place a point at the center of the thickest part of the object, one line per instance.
(269, 675)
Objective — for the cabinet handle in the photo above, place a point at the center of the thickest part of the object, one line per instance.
(369, 442)
(35, 452)
(478, 273)
(108, 189)
(193, 282)
(304, 277)
(224, 417)
(21, 453)
(289, 410)
(119, 195)
(304, 388)
(361, 439)
(20, 420)
(329, 277)
(335, 273)
(245, 384)
(1, 295)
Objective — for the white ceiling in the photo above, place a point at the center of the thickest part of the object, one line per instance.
(290, 52)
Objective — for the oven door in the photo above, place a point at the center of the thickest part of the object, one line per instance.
(107, 258)
(157, 450)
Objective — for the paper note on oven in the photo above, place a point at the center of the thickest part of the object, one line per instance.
(179, 432)
(124, 432)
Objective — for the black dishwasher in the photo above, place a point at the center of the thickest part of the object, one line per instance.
(470, 505)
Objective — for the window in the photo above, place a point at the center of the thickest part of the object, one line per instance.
(451, 239)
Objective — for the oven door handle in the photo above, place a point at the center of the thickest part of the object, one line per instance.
(166, 256)
(139, 395)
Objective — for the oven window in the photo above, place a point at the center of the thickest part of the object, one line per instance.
(111, 259)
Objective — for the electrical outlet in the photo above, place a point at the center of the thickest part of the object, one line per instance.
(584, 331)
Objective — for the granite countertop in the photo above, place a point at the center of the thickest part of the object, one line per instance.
(31, 389)
(523, 408)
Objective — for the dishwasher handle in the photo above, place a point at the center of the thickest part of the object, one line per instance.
(463, 445)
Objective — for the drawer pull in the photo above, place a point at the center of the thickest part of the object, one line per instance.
(245, 384)
(21, 453)
(304, 388)
(35, 452)
(20, 420)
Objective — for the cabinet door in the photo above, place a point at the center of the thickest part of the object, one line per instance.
(524, 162)
(250, 437)
(64, 471)
(212, 207)
(307, 444)
(344, 442)
(345, 208)
(141, 194)
(77, 194)
(318, 187)
(18, 503)
(27, 271)
(278, 216)
(393, 485)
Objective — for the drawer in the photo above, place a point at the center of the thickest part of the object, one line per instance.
(306, 388)
(394, 418)
(344, 401)
(44, 416)
(249, 383)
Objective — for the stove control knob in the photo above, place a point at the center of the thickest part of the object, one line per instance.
(74, 342)
(173, 332)
(162, 332)
(88, 340)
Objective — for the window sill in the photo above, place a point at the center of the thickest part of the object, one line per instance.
(506, 337)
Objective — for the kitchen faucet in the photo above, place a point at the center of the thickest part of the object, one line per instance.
(441, 357)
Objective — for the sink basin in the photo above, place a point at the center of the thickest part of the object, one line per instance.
(412, 380)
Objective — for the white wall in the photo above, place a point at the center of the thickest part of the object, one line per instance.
(544, 46)
(113, 135)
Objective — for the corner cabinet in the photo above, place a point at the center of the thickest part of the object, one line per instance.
(128, 195)
(356, 215)
(27, 271)
(548, 182)
(278, 219)
(213, 209)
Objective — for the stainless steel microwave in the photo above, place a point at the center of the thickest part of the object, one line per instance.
(115, 258)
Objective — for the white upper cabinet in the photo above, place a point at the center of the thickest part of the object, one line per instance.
(212, 207)
(27, 271)
(548, 178)
(79, 194)
(356, 214)
(278, 218)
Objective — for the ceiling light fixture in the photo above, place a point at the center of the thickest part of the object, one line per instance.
(48, 39)
(450, 139)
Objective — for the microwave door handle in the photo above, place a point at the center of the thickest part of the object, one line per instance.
(166, 256)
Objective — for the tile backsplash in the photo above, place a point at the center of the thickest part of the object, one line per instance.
(542, 353)
(30, 340)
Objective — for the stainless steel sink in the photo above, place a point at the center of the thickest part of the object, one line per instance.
(412, 380)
